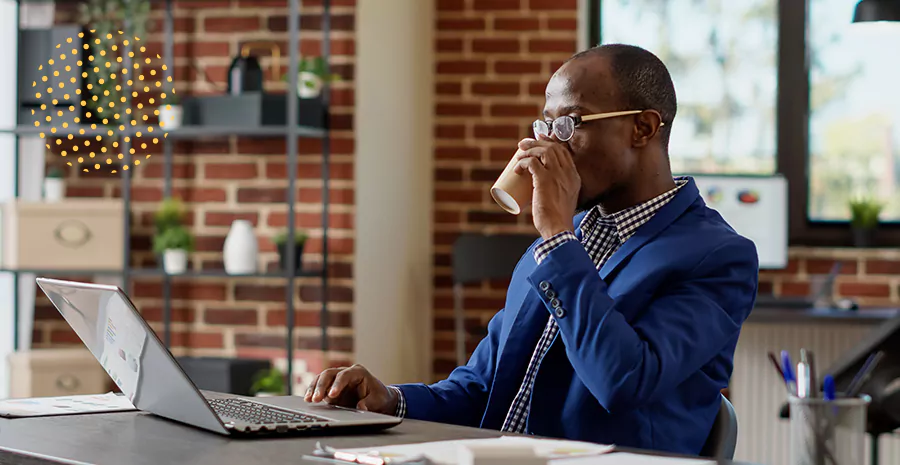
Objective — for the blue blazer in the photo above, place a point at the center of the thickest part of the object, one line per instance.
(644, 346)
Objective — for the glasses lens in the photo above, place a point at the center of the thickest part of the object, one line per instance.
(541, 128)
(564, 128)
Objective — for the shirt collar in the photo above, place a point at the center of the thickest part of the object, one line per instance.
(627, 221)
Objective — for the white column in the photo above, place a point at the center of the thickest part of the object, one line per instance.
(8, 57)
(393, 272)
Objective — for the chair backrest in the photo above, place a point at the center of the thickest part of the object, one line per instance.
(722, 438)
(477, 257)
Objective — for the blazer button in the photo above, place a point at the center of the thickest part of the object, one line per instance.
(554, 303)
(550, 293)
(560, 312)
(545, 285)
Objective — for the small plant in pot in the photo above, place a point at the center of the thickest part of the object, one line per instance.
(171, 112)
(173, 244)
(864, 213)
(312, 76)
(268, 383)
(281, 240)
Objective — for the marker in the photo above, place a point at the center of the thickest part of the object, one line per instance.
(789, 378)
(829, 388)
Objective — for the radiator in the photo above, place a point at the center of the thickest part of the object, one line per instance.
(757, 393)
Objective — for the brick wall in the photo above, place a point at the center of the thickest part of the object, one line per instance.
(493, 60)
(228, 178)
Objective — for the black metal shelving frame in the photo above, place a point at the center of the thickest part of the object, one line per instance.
(291, 131)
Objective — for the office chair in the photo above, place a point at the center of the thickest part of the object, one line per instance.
(477, 257)
(723, 438)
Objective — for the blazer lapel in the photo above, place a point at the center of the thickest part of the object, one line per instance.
(685, 197)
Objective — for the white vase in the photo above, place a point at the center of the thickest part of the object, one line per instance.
(175, 261)
(309, 85)
(54, 189)
(241, 249)
(170, 116)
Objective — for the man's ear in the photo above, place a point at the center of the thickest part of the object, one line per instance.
(646, 126)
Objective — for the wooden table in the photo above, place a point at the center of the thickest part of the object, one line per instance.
(137, 438)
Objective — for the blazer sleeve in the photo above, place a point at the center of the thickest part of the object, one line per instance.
(629, 364)
(460, 399)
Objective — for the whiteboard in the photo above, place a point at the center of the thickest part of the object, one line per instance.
(756, 207)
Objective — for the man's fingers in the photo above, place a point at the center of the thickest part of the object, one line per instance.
(345, 380)
(529, 164)
(310, 389)
(324, 383)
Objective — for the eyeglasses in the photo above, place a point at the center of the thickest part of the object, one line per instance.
(564, 126)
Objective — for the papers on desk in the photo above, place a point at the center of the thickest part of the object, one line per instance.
(626, 458)
(448, 452)
(68, 405)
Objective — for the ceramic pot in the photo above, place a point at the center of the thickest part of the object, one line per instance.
(863, 237)
(241, 249)
(171, 116)
(283, 258)
(309, 85)
(54, 189)
(175, 261)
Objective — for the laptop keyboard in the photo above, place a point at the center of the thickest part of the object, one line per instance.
(252, 412)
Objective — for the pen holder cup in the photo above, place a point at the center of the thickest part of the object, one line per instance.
(828, 432)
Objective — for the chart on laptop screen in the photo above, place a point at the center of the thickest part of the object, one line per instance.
(756, 207)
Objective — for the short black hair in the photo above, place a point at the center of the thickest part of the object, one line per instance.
(643, 79)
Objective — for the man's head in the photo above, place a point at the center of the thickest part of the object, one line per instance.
(614, 155)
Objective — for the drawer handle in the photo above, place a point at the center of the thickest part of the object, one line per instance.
(67, 382)
(72, 233)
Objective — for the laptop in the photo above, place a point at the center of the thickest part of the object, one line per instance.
(108, 323)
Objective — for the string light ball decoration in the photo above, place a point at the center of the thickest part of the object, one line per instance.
(109, 122)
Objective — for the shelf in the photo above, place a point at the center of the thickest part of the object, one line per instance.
(222, 274)
(59, 272)
(183, 132)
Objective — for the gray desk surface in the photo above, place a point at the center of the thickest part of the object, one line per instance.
(138, 438)
(774, 315)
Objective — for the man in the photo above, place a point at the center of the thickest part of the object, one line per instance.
(620, 326)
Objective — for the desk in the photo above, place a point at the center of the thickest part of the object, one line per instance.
(137, 438)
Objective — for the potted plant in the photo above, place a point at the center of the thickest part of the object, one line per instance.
(173, 244)
(268, 383)
(54, 185)
(171, 112)
(312, 76)
(864, 214)
(280, 241)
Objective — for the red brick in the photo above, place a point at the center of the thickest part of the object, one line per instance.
(445, 238)
(451, 5)
(232, 24)
(562, 24)
(503, 154)
(551, 46)
(312, 22)
(476, 217)
(450, 131)
(823, 266)
(201, 49)
(461, 67)
(337, 246)
(230, 171)
(64, 336)
(792, 268)
(309, 319)
(198, 340)
(447, 217)
(522, 110)
(343, 97)
(204, 147)
(516, 24)
(461, 24)
(497, 4)
(448, 174)
(568, 5)
(337, 196)
(311, 220)
(260, 293)
(449, 45)
(448, 88)
(178, 314)
(146, 218)
(342, 171)
(46, 312)
(457, 153)
(497, 131)
(216, 74)
(495, 46)
(538, 89)
(179, 170)
(189, 290)
(464, 195)
(495, 88)
(458, 109)
(186, 4)
(517, 67)
(765, 287)
(199, 194)
(796, 289)
(333, 3)
(226, 218)
(144, 194)
(261, 195)
(882, 267)
(181, 24)
(262, 3)
(485, 174)
(230, 316)
(259, 340)
(84, 191)
(860, 289)
(341, 294)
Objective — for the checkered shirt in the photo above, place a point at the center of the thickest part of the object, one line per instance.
(602, 236)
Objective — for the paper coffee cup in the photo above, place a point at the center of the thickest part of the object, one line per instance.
(513, 191)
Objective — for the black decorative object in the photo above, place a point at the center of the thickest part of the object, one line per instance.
(245, 75)
(877, 10)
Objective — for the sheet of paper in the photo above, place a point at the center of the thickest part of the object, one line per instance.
(625, 458)
(445, 452)
(68, 405)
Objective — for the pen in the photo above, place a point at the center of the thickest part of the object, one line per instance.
(789, 379)
(804, 382)
(814, 380)
(864, 373)
(828, 388)
(777, 365)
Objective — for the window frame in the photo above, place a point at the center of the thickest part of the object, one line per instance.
(791, 129)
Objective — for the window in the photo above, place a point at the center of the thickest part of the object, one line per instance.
(788, 86)
(722, 57)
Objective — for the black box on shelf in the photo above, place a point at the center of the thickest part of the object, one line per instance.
(36, 48)
(251, 109)
(229, 375)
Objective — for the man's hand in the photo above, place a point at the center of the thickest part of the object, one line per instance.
(556, 184)
(352, 387)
